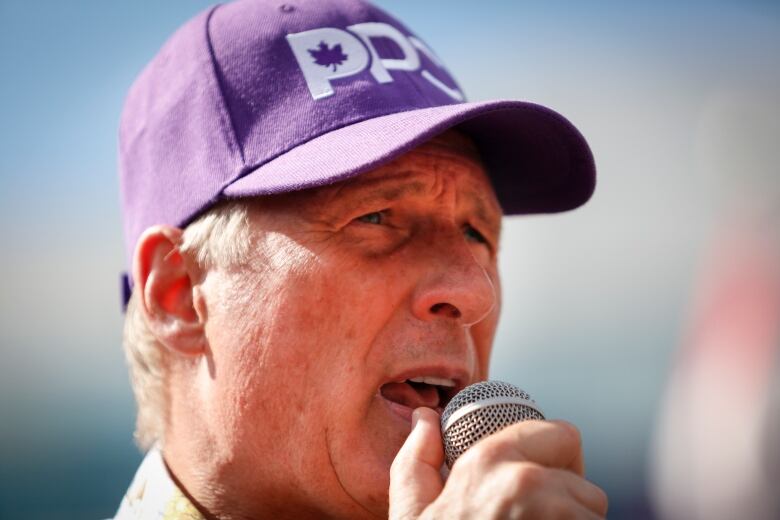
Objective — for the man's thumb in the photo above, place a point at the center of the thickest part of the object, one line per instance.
(415, 480)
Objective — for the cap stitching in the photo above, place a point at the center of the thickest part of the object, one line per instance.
(225, 120)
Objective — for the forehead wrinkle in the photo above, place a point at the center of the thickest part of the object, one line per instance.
(465, 163)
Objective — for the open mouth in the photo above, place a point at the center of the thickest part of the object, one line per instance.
(405, 396)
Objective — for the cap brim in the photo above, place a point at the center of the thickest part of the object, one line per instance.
(537, 160)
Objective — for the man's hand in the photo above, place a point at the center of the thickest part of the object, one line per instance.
(532, 469)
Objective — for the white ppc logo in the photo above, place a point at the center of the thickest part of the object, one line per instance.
(328, 53)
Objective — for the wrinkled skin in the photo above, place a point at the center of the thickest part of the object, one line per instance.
(275, 407)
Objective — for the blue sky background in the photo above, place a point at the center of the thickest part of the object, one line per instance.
(595, 300)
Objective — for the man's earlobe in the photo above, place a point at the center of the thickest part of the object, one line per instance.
(164, 284)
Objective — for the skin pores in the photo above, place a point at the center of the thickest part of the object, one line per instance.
(350, 287)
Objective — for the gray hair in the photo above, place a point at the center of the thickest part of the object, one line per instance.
(219, 237)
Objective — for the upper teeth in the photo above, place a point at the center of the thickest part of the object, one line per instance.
(438, 381)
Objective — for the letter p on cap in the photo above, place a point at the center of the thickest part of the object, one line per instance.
(326, 54)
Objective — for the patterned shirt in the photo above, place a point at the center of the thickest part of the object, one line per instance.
(153, 495)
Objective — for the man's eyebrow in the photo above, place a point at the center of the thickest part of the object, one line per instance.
(485, 214)
(394, 192)
(380, 189)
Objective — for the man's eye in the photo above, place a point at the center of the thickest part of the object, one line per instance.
(474, 235)
(376, 217)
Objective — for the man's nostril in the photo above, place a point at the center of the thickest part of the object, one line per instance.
(446, 309)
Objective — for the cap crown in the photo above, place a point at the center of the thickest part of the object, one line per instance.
(243, 83)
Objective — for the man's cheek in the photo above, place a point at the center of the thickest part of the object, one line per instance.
(482, 335)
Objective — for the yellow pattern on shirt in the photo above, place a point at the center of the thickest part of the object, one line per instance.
(180, 508)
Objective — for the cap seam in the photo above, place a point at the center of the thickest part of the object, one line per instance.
(226, 122)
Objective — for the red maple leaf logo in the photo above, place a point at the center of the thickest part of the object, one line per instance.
(328, 56)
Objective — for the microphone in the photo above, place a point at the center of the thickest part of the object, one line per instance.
(480, 410)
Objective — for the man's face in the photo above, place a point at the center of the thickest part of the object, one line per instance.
(352, 290)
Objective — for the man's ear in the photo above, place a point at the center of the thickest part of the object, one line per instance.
(164, 284)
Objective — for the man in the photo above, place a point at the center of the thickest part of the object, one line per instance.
(312, 217)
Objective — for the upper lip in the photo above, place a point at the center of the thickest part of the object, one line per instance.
(459, 375)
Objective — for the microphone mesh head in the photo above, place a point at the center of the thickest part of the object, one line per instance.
(480, 410)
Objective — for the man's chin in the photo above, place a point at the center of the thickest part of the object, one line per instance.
(363, 456)
(366, 484)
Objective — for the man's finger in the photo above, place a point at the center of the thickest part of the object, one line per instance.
(586, 493)
(553, 444)
(415, 480)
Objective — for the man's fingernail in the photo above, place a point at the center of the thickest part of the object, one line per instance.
(415, 418)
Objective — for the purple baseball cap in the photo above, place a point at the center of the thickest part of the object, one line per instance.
(257, 97)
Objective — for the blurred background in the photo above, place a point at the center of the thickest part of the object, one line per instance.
(649, 317)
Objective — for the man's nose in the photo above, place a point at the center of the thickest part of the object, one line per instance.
(454, 284)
